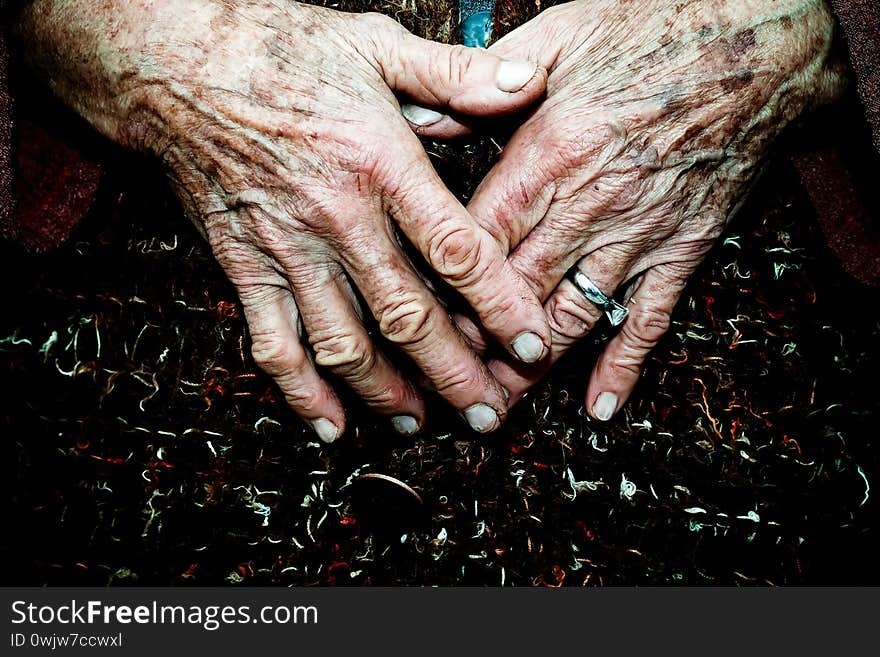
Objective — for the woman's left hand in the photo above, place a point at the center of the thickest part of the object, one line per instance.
(658, 114)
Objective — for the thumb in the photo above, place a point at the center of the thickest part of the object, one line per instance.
(459, 79)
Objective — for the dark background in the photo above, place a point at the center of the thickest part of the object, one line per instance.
(142, 446)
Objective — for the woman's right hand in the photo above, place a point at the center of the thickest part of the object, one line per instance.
(286, 144)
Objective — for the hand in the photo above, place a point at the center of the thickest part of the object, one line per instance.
(658, 114)
(285, 142)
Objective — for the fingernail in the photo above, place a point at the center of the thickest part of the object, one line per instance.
(512, 76)
(420, 116)
(405, 425)
(326, 430)
(481, 417)
(605, 406)
(528, 347)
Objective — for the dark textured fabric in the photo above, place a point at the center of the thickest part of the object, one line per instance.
(840, 176)
(46, 184)
(849, 228)
(860, 21)
(7, 204)
(839, 169)
(54, 187)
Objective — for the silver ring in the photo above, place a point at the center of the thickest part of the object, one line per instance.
(615, 312)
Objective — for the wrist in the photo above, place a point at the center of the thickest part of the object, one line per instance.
(786, 46)
(90, 52)
(132, 69)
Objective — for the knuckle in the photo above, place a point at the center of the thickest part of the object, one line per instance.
(258, 300)
(347, 355)
(317, 206)
(673, 276)
(647, 327)
(381, 41)
(456, 378)
(456, 253)
(622, 368)
(303, 398)
(702, 233)
(408, 318)
(277, 356)
(373, 20)
(272, 239)
(570, 319)
(460, 61)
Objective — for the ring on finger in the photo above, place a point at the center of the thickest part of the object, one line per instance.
(615, 312)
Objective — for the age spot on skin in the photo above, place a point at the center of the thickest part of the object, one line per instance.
(738, 80)
(741, 43)
(221, 21)
(669, 46)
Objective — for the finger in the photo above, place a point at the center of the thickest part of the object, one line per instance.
(466, 80)
(509, 202)
(528, 43)
(546, 188)
(272, 318)
(517, 192)
(428, 122)
(474, 335)
(470, 260)
(618, 368)
(410, 317)
(572, 316)
(573, 226)
(341, 344)
(537, 40)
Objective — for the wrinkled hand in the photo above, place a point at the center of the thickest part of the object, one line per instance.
(658, 114)
(286, 144)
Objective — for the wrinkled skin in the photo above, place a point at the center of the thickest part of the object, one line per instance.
(658, 115)
(284, 139)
